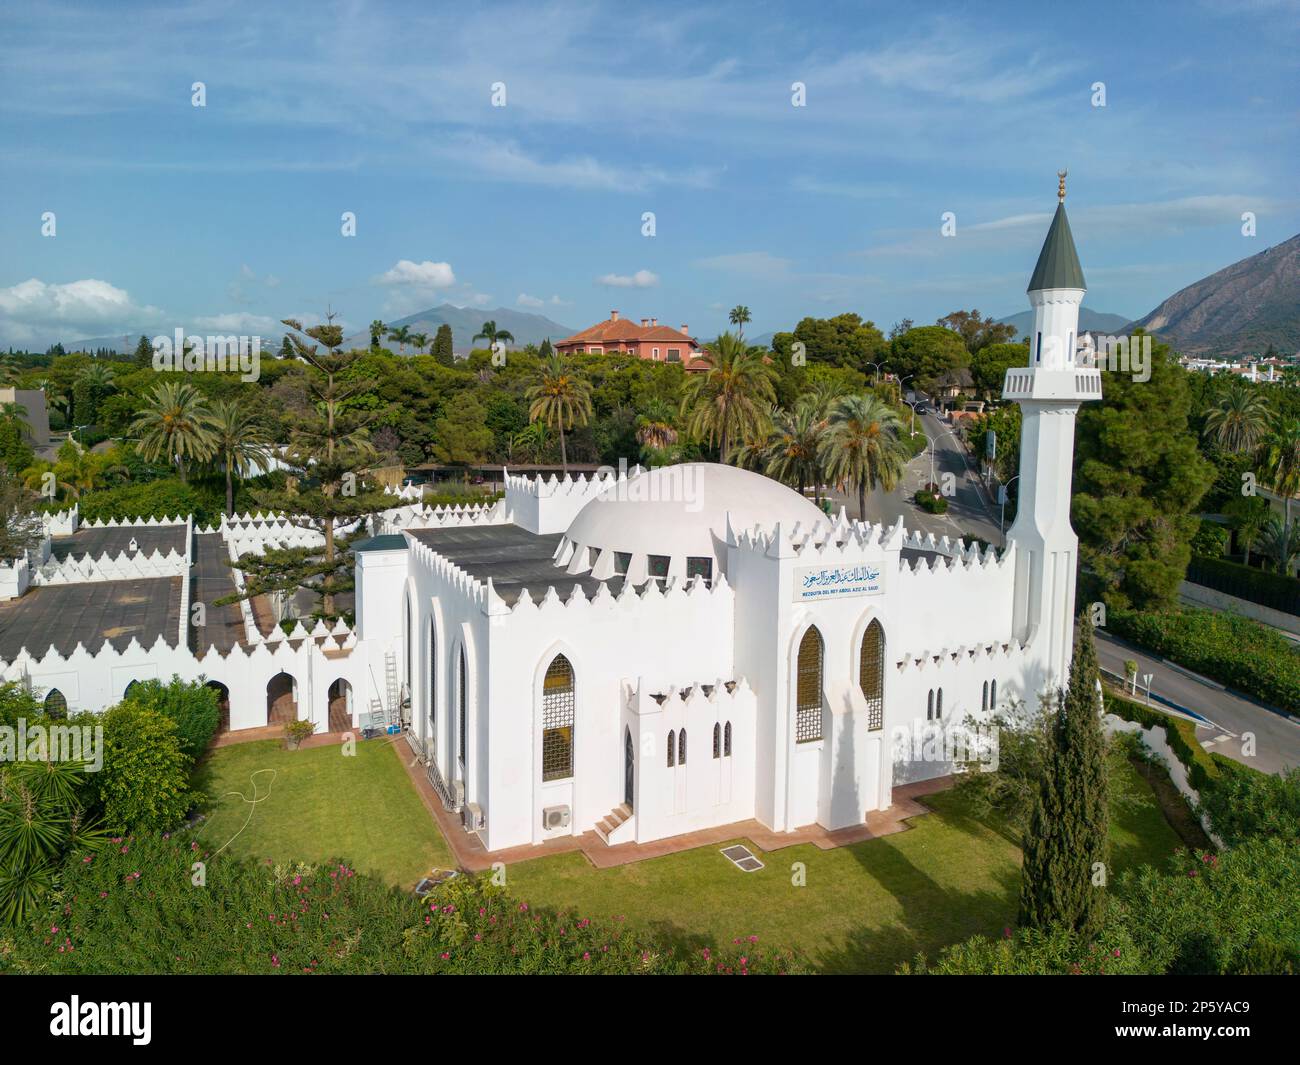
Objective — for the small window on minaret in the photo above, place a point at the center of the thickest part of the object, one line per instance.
(1038, 354)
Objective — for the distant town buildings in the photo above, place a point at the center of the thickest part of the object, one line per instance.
(646, 340)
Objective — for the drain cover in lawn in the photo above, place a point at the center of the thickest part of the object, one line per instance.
(742, 858)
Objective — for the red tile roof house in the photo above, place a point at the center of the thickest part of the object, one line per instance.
(649, 340)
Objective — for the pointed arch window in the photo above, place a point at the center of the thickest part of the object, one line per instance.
(938, 706)
(726, 741)
(717, 740)
(929, 706)
(808, 689)
(984, 699)
(681, 747)
(462, 696)
(993, 694)
(433, 677)
(672, 748)
(56, 704)
(871, 674)
(558, 704)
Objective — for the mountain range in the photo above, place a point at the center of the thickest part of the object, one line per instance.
(1239, 310)
(465, 322)
(1090, 321)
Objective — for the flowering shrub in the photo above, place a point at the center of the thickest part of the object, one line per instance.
(143, 905)
(1209, 914)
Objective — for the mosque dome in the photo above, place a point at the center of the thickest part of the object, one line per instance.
(672, 521)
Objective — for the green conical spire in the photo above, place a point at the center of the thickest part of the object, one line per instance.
(1058, 262)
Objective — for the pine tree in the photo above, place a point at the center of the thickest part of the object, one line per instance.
(144, 352)
(328, 459)
(1069, 822)
(442, 346)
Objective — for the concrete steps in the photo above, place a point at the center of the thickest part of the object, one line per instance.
(611, 821)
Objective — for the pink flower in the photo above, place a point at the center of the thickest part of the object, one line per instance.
(446, 956)
(586, 955)
(275, 960)
(1115, 952)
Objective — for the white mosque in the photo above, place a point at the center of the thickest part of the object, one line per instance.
(639, 654)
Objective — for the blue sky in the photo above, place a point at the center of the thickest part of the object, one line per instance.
(228, 216)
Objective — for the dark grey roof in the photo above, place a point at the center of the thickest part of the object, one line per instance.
(386, 542)
(1058, 262)
(210, 580)
(65, 615)
(96, 542)
(513, 557)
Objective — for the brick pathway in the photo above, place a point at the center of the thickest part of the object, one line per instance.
(472, 856)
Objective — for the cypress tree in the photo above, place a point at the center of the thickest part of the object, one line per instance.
(442, 346)
(1069, 821)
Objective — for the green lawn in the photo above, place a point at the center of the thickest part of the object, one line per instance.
(862, 908)
(319, 805)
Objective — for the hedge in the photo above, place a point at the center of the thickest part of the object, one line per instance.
(158, 903)
(1202, 771)
(1233, 650)
(1246, 582)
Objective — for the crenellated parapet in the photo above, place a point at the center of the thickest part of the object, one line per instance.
(419, 516)
(721, 697)
(108, 567)
(545, 505)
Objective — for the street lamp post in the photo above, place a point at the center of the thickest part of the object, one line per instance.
(877, 366)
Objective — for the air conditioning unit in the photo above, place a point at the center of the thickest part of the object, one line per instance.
(472, 817)
(457, 794)
(555, 817)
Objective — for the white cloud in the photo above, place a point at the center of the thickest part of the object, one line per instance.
(425, 274)
(36, 310)
(240, 322)
(641, 279)
(414, 286)
(536, 302)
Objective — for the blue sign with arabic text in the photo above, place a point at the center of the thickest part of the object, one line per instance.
(828, 582)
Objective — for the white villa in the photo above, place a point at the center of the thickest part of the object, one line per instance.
(637, 654)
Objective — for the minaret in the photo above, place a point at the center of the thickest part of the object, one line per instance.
(1049, 391)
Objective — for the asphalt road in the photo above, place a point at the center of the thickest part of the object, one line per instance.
(1233, 719)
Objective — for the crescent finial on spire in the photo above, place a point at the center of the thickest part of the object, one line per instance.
(1060, 187)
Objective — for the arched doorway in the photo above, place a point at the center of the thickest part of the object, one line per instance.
(340, 705)
(281, 701)
(223, 704)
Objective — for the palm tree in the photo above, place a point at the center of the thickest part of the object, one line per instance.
(402, 334)
(860, 447)
(16, 413)
(377, 329)
(1281, 543)
(792, 454)
(176, 424)
(655, 428)
(1239, 421)
(731, 402)
(492, 334)
(241, 443)
(1248, 515)
(420, 341)
(559, 398)
(738, 316)
(1282, 461)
